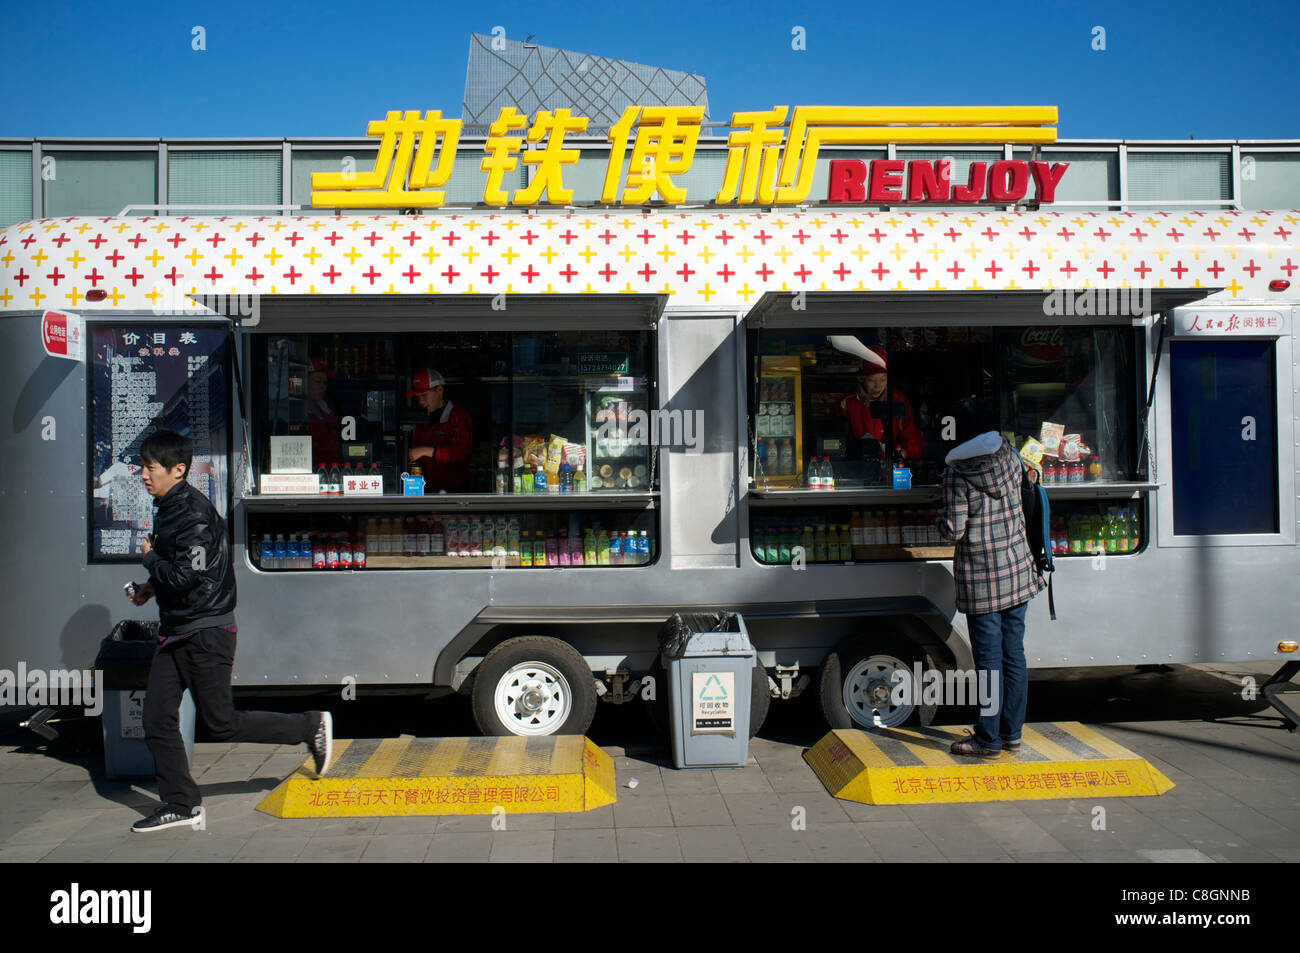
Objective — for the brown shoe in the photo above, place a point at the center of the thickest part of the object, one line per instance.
(972, 747)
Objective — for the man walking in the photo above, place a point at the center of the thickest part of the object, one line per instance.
(191, 573)
(994, 572)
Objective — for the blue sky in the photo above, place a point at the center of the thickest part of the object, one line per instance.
(1170, 69)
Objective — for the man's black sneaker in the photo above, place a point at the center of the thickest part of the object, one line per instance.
(1010, 745)
(166, 817)
(322, 744)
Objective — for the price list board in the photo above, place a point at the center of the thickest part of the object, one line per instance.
(143, 377)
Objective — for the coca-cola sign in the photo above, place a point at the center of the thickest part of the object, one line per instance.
(1043, 345)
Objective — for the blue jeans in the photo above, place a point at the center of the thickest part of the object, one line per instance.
(997, 641)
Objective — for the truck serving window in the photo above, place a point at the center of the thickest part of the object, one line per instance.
(1224, 437)
(141, 376)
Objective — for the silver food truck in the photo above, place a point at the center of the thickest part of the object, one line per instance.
(650, 410)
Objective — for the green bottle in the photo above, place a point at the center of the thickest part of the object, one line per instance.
(602, 548)
(589, 548)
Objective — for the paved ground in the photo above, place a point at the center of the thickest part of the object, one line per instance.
(1236, 797)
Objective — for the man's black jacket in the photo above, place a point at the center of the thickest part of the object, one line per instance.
(190, 566)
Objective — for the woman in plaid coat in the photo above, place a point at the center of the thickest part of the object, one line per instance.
(995, 575)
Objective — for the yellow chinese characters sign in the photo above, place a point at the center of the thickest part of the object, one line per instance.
(771, 156)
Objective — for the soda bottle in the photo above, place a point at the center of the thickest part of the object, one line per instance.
(345, 551)
(359, 551)
(318, 553)
(331, 552)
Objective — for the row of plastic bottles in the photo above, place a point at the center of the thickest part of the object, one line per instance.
(1119, 530)
(823, 543)
(312, 551)
(332, 478)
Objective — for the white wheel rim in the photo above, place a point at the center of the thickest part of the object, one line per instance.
(867, 693)
(533, 698)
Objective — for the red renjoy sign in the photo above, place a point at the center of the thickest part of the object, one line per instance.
(918, 181)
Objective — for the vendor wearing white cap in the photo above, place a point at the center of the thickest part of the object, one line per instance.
(441, 446)
(873, 382)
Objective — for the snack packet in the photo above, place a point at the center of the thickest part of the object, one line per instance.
(554, 457)
(1051, 438)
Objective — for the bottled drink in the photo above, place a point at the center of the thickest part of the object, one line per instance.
(784, 461)
(292, 553)
(423, 540)
(539, 551)
(762, 466)
(552, 550)
(331, 552)
(359, 551)
(566, 478)
(828, 474)
(580, 480)
(512, 537)
(539, 479)
(814, 474)
(266, 553)
(602, 548)
(410, 537)
(1134, 530)
(318, 553)
(589, 555)
(475, 537)
(909, 529)
(832, 543)
(306, 553)
(616, 549)
(374, 473)
(323, 480)
(575, 551)
(346, 476)
(502, 476)
(855, 529)
(281, 552)
(345, 551)
(437, 538)
(895, 529)
(643, 544)
(846, 545)
(526, 550)
(336, 481)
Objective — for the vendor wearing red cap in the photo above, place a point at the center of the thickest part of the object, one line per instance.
(442, 446)
(872, 385)
(322, 421)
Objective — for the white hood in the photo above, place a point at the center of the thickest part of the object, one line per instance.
(982, 445)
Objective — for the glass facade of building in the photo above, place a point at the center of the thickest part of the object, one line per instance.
(101, 177)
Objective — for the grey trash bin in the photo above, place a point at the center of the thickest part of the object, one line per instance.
(124, 658)
(709, 662)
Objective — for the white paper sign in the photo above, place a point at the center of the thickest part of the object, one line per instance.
(362, 484)
(292, 484)
(713, 703)
(291, 454)
(132, 714)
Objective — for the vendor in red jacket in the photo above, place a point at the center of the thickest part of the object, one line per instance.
(872, 385)
(442, 445)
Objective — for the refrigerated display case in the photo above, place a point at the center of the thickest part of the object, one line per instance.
(778, 426)
(619, 434)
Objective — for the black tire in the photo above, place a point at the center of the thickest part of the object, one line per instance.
(560, 656)
(760, 701)
(841, 662)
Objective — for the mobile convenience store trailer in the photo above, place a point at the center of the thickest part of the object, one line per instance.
(704, 294)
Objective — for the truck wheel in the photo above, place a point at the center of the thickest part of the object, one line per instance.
(760, 701)
(534, 686)
(855, 684)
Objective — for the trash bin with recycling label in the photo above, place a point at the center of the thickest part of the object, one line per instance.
(709, 662)
(124, 658)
